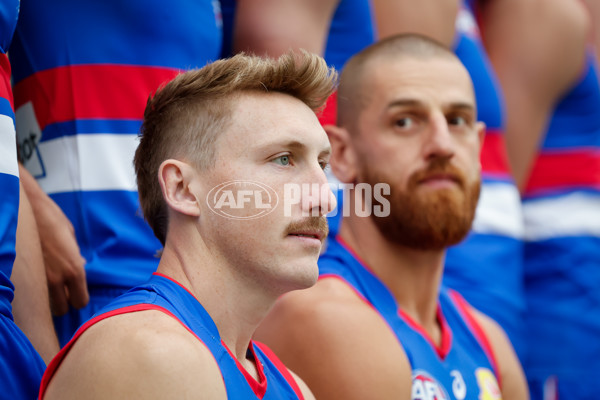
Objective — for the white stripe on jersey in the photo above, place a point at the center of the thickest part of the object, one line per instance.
(86, 162)
(8, 146)
(574, 214)
(499, 211)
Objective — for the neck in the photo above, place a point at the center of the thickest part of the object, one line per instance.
(412, 276)
(235, 307)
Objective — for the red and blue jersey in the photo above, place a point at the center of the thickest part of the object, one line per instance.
(163, 294)
(461, 367)
(83, 71)
(9, 172)
(561, 209)
(21, 365)
(487, 267)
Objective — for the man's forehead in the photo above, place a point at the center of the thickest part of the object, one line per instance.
(276, 119)
(416, 78)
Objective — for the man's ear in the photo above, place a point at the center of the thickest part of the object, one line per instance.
(343, 155)
(176, 181)
(480, 127)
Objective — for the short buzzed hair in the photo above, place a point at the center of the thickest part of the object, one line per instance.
(351, 92)
(186, 116)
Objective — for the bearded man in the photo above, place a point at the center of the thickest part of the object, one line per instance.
(379, 324)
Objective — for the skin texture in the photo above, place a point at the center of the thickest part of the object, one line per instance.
(236, 276)
(31, 306)
(416, 110)
(432, 18)
(65, 267)
(271, 27)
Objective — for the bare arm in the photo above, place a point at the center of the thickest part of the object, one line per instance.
(536, 64)
(272, 27)
(31, 307)
(337, 344)
(63, 261)
(432, 18)
(514, 385)
(143, 355)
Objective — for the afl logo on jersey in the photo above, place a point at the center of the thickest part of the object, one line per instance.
(425, 387)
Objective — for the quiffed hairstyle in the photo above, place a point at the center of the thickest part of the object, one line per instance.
(184, 117)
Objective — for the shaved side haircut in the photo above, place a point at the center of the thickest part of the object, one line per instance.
(185, 118)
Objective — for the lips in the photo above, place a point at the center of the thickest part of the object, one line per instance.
(440, 177)
(313, 235)
(311, 228)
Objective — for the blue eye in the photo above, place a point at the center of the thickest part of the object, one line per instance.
(282, 160)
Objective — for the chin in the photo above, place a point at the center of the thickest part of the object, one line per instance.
(303, 274)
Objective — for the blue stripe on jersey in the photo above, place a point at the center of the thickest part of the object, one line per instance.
(9, 207)
(9, 13)
(179, 34)
(117, 254)
(492, 178)
(90, 126)
(351, 30)
(498, 261)
(5, 108)
(576, 120)
(560, 192)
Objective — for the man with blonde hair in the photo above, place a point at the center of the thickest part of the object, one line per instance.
(217, 146)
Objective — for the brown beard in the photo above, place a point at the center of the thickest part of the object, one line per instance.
(431, 221)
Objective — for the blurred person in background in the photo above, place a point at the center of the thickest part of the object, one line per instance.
(544, 52)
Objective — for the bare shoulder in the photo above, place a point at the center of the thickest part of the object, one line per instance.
(145, 354)
(337, 343)
(514, 385)
(306, 392)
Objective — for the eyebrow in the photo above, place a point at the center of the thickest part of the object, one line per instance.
(415, 103)
(298, 146)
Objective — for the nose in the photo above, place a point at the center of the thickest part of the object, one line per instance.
(317, 197)
(439, 142)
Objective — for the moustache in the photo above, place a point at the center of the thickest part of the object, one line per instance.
(313, 225)
(438, 166)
